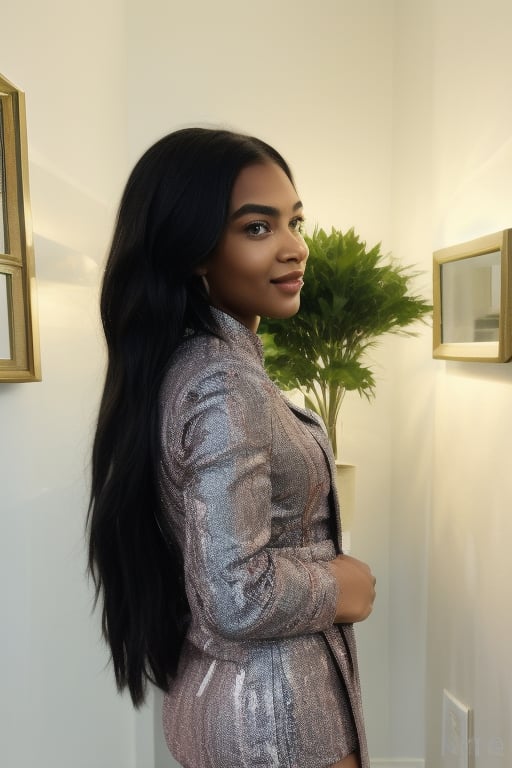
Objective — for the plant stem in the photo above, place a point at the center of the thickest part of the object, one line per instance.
(336, 394)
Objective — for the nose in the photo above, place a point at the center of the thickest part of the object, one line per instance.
(294, 248)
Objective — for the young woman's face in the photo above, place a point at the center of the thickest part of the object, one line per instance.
(258, 264)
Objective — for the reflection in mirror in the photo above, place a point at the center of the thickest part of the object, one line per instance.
(5, 336)
(471, 298)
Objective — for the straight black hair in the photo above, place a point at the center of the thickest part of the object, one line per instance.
(172, 214)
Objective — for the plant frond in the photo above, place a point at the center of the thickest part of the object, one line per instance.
(352, 295)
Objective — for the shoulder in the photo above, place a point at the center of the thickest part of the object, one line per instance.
(206, 368)
(211, 402)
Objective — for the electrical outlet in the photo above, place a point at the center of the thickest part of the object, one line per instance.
(455, 732)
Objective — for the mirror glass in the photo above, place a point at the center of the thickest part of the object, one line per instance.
(471, 290)
(5, 341)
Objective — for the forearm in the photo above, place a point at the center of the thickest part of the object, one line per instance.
(268, 595)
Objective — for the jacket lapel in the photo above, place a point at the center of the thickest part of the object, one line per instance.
(317, 429)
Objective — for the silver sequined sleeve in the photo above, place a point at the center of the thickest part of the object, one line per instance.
(244, 588)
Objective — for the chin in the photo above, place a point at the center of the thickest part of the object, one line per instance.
(287, 313)
(282, 313)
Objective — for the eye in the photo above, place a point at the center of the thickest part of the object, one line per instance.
(298, 224)
(257, 228)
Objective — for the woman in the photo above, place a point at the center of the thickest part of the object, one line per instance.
(214, 536)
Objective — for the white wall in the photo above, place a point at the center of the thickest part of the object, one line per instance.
(412, 380)
(453, 163)
(59, 707)
(470, 592)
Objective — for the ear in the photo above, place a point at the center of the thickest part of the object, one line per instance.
(201, 271)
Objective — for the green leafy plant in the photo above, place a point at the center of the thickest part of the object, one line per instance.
(351, 296)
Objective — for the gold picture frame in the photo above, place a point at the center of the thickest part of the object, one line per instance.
(19, 336)
(472, 317)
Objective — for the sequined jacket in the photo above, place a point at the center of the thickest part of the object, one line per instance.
(266, 679)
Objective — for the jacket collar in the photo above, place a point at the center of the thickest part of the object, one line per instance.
(234, 332)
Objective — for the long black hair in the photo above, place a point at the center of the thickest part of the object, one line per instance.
(172, 214)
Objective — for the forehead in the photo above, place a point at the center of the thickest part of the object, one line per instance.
(265, 183)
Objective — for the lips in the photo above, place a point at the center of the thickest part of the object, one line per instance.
(289, 284)
(290, 277)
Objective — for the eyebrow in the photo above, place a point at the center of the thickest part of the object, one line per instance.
(265, 210)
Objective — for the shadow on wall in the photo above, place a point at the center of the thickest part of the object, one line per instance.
(58, 263)
(69, 222)
(163, 758)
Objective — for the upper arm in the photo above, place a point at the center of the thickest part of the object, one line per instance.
(244, 587)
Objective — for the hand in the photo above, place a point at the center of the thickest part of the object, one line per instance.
(356, 589)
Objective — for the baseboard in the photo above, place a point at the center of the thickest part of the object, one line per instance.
(396, 762)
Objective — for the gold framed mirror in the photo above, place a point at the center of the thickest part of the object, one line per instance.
(19, 337)
(473, 300)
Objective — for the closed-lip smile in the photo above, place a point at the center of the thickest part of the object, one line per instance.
(290, 277)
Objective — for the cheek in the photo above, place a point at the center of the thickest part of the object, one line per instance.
(247, 265)
(230, 276)
(239, 261)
